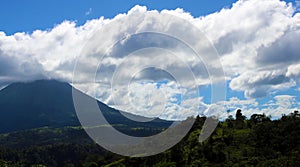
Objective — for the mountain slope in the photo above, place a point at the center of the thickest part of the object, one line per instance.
(49, 103)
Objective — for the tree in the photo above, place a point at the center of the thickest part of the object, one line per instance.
(229, 121)
(256, 118)
(239, 116)
(295, 114)
(3, 163)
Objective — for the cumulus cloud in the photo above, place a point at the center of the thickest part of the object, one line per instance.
(282, 104)
(293, 71)
(44, 53)
(257, 42)
(260, 84)
(255, 39)
(276, 107)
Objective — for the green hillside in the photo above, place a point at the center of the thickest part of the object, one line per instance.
(49, 103)
(258, 141)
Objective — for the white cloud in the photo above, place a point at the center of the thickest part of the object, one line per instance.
(282, 104)
(285, 101)
(255, 37)
(293, 71)
(88, 12)
(278, 105)
(257, 41)
(260, 84)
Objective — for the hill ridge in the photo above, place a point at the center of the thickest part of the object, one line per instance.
(49, 103)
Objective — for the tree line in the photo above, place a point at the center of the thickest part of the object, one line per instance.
(257, 141)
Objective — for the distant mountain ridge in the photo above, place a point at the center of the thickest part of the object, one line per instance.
(49, 103)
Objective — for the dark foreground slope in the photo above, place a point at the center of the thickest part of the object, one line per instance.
(49, 103)
(258, 141)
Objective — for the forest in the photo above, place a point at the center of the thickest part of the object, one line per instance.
(237, 141)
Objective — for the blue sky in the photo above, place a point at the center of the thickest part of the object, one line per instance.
(260, 59)
(30, 15)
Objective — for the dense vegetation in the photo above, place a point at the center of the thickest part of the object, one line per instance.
(257, 141)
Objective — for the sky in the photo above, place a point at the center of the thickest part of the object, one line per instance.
(27, 16)
(169, 59)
